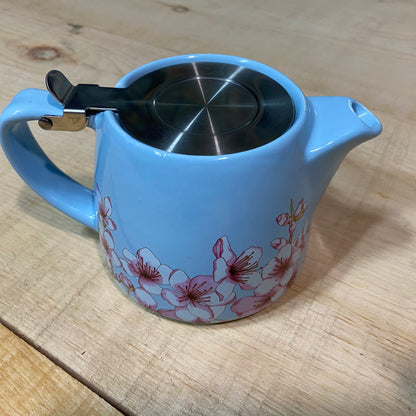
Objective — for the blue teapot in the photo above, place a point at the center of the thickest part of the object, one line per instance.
(208, 169)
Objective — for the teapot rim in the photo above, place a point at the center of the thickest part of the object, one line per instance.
(296, 94)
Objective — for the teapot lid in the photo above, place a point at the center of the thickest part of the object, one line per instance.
(198, 108)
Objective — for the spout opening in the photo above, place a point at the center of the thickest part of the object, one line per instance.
(366, 116)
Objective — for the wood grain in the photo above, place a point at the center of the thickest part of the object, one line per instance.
(30, 384)
(342, 341)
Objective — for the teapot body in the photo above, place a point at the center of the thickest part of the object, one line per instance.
(203, 238)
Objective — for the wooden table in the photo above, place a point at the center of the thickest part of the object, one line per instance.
(342, 341)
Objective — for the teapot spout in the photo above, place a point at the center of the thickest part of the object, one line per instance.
(339, 124)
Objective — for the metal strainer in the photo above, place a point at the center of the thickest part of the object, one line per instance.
(199, 108)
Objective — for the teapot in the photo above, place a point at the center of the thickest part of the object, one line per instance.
(208, 169)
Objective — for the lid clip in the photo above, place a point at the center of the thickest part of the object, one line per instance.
(79, 102)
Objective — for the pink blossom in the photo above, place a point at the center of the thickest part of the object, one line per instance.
(104, 211)
(300, 210)
(283, 219)
(278, 243)
(280, 268)
(231, 270)
(170, 313)
(195, 300)
(294, 275)
(300, 243)
(124, 280)
(138, 293)
(145, 298)
(257, 302)
(107, 243)
(292, 227)
(147, 268)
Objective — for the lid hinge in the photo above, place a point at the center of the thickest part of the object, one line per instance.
(71, 120)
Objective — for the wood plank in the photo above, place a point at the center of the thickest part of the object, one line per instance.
(343, 339)
(327, 47)
(32, 384)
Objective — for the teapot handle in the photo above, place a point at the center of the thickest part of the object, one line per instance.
(32, 164)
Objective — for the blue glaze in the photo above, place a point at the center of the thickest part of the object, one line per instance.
(197, 238)
(31, 163)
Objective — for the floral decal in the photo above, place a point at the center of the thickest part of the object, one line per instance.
(239, 286)
(104, 211)
(196, 299)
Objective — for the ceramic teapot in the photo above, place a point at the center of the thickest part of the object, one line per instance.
(208, 169)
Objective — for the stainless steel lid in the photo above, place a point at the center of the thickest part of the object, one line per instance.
(200, 108)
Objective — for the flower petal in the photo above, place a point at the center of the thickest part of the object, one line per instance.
(170, 313)
(293, 277)
(128, 255)
(125, 266)
(295, 255)
(150, 286)
(222, 249)
(174, 298)
(265, 287)
(178, 279)
(212, 298)
(165, 272)
(107, 206)
(185, 315)
(267, 271)
(284, 252)
(250, 304)
(285, 279)
(283, 219)
(279, 292)
(108, 238)
(292, 227)
(217, 310)
(144, 298)
(200, 311)
(109, 223)
(252, 253)
(98, 193)
(220, 269)
(114, 259)
(217, 249)
(300, 210)
(252, 282)
(203, 284)
(278, 243)
(148, 257)
(225, 288)
(125, 281)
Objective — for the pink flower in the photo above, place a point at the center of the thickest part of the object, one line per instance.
(283, 219)
(278, 243)
(145, 298)
(147, 268)
(300, 210)
(252, 304)
(195, 300)
(280, 268)
(107, 243)
(124, 280)
(231, 270)
(104, 211)
(300, 242)
(170, 313)
(292, 227)
(294, 275)
(140, 294)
